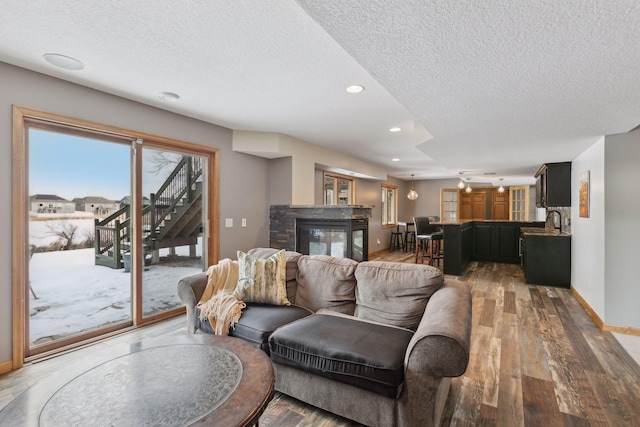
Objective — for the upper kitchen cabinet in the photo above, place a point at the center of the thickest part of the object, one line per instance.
(553, 185)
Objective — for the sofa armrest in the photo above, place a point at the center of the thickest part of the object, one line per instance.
(440, 346)
(438, 350)
(190, 290)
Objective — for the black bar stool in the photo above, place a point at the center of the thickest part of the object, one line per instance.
(409, 238)
(428, 239)
(397, 242)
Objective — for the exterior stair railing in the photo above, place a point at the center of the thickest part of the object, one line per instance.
(163, 211)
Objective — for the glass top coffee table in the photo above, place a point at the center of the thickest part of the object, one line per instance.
(175, 380)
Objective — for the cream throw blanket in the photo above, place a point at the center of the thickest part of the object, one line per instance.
(218, 304)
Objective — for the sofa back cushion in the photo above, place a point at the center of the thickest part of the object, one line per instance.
(326, 282)
(395, 293)
(291, 269)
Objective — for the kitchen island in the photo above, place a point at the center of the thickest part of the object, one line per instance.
(482, 240)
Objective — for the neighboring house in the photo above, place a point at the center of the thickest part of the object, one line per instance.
(50, 203)
(97, 205)
(126, 200)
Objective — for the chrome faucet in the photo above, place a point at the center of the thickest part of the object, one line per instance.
(559, 219)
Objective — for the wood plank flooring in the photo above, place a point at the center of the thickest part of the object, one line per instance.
(537, 359)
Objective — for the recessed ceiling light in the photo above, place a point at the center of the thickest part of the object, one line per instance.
(62, 61)
(395, 160)
(355, 88)
(395, 129)
(168, 96)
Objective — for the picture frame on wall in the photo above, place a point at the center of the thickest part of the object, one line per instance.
(583, 192)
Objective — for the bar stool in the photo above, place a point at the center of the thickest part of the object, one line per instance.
(438, 242)
(428, 238)
(436, 248)
(396, 241)
(409, 238)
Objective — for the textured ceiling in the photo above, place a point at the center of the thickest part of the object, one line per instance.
(501, 86)
(477, 86)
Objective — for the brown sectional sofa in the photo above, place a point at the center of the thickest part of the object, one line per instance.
(375, 342)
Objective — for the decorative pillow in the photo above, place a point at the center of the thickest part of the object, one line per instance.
(262, 280)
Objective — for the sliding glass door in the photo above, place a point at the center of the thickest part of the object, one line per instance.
(173, 212)
(75, 182)
(108, 225)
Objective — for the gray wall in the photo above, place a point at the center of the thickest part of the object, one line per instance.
(318, 194)
(244, 179)
(622, 229)
(428, 201)
(280, 181)
(368, 193)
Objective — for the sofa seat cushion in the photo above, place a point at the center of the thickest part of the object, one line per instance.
(349, 350)
(258, 321)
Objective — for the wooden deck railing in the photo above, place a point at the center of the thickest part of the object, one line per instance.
(112, 234)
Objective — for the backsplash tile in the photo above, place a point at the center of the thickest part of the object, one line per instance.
(551, 223)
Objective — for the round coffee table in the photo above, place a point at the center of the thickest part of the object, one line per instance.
(175, 380)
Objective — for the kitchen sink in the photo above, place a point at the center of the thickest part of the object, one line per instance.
(533, 230)
(543, 231)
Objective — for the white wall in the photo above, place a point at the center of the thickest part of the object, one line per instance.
(604, 247)
(622, 229)
(587, 234)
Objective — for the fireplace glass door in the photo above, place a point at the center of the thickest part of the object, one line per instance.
(341, 238)
(327, 241)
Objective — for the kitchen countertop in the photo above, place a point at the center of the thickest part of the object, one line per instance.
(466, 221)
(532, 231)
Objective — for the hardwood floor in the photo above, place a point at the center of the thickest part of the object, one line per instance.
(537, 359)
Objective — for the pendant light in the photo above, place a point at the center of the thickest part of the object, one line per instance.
(412, 194)
(461, 183)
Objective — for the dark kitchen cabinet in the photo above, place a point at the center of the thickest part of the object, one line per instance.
(494, 241)
(483, 246)
(497, 242)
(547, 260)
(553, 185)
(458, 241)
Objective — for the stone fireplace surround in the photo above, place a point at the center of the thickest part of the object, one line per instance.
(282, 220)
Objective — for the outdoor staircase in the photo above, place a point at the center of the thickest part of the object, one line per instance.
(172, 217)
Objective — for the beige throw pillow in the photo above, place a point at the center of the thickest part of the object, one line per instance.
(262, 280)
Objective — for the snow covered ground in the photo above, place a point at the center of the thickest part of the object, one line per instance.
(75, 295)
(40, 231)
